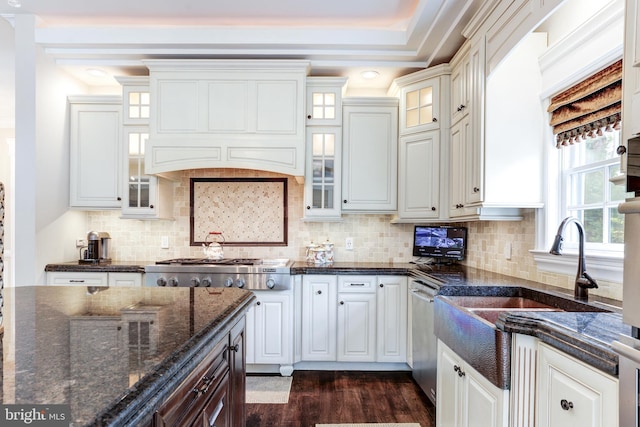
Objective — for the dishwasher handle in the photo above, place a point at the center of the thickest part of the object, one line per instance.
(422, 295)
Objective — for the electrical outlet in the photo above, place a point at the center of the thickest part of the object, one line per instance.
(348, 243)
(164, 242)
(507, 250)
(81, 243)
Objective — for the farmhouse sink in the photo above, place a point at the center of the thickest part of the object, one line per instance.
(465, 320)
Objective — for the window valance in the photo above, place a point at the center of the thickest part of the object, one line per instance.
(589, 107)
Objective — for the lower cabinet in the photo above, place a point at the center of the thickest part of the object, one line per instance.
(214, 392)
(73, 278)
(571, 393)
(270, 330)
(351, 318)
(465, 397)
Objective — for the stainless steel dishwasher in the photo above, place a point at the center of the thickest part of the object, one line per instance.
(423, 337)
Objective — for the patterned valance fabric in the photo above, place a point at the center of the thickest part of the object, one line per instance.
(589, 107)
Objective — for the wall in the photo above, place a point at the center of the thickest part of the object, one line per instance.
(376, 239)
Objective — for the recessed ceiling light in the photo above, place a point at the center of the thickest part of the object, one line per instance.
(14, 3)
(95, 72)
(370, 74)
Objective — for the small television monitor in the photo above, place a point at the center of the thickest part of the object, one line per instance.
(443, 243)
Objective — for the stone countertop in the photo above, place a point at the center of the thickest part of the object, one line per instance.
(82, 350)
(97, 267)
(302, 267)
(586, 335)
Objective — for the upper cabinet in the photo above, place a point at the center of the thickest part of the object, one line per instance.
(324, 100)
(144, 196)
(370, 154)
(424, 128)
(95, 152)
(631, 76)
(218, 113)
(461, 84)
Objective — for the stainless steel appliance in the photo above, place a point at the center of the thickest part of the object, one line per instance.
(628, 347)
(424, 342)
(247, 273)
(97, 247)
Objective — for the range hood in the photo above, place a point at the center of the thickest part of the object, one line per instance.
(227, 114)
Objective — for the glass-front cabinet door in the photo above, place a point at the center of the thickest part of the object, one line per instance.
(420, 106)
(322, 176)
(140, 191)
(324, 100)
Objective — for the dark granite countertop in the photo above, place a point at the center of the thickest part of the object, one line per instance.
(98, 267)
(117, 353)
(302, 267)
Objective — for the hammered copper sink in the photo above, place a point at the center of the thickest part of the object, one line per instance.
(466, 316)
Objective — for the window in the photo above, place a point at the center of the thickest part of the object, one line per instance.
(589, 195)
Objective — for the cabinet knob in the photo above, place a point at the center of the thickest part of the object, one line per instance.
(309, 117)
(461, 107)
(119, 199)
(344, 201)
(341, 302)
(459, 370)
(433, 208)
(258, 303)
(381, 285)
(434, 120)
(150, 206)
(308, 207)
(476, 189)
(621, 150)
(235, 348)
(566, 405)
(319, 292)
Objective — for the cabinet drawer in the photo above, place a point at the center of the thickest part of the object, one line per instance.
(357, 284)
(125, 279)
(76, 278)
(186, 404)
(217, 409)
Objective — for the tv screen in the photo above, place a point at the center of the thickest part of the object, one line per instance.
(440, 242)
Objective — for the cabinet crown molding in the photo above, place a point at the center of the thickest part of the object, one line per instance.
(256, 65)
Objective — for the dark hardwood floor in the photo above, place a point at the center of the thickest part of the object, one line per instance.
(327, 397)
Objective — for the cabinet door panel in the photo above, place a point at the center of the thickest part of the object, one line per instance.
(356, 327)
(480, 401)
(277, 107)
(448, 389)
(319, 318)
(177, 106)
(391, 318)
(228, 106)
(419, 187)
(272, 328)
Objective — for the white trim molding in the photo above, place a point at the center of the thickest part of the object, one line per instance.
(606, 267)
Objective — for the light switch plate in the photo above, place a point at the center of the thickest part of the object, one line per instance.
(164, 242)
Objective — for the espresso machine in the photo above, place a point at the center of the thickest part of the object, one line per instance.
(97, 249)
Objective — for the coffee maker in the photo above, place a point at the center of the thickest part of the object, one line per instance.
(97, 247)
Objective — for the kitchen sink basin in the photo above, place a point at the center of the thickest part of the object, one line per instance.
(466, 317)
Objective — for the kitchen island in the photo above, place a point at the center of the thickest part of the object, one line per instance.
(115, 356)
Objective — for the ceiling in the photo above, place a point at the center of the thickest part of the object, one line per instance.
(338, 37)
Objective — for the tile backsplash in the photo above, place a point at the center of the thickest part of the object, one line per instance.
(375, 238)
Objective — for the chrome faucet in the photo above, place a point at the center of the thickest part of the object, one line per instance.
(584, 282)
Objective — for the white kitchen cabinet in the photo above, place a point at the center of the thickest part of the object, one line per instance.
(370, 154)
(72, 278)
(356, 319)
(323, 174)
(95, 152)
(631, 77)
(571, 393)
(422, 147)
(144, 196)
(465, 397)
(269, 330)
(419, 109)
(391, 319)
(125, 279)
(319, 317)
(461, 84)
(495, 156)
(419, 180)
(216, 113)
(324, 100)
